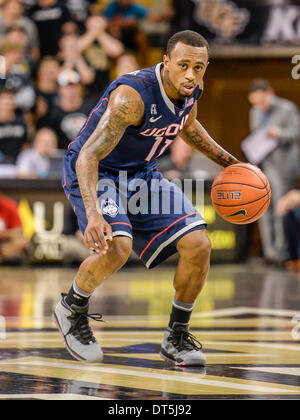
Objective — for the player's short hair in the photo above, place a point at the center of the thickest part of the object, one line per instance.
(188, 38)
(259, 84)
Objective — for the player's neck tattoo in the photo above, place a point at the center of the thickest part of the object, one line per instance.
(169, 87)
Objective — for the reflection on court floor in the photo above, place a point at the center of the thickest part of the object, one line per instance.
(246, 318)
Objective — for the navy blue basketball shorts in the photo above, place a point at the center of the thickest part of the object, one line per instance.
(143, 206)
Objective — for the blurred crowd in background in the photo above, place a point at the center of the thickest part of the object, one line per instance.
(60, 56)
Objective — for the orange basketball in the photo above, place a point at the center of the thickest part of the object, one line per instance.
(241, 193)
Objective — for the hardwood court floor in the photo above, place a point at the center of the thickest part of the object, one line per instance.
(245, 319)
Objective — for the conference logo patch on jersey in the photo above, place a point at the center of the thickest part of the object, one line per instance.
(154, 109)
(109, 207)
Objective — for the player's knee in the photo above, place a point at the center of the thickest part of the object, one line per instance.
(121, 250)
(196, 248)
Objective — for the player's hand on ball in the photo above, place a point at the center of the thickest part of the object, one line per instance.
(94, 234)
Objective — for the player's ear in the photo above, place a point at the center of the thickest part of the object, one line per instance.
(166, 60)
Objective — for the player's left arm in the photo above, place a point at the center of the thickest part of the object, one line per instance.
(198, 138)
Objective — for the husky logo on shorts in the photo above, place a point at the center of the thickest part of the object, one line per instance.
(109, 207)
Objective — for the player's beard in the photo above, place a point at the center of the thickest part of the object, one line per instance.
(186, 96)
(181, 97)
(171, 85)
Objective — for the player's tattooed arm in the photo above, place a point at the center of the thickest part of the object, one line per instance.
(125, 108)
(198, 138)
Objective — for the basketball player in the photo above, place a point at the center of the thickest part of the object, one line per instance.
(138, 117)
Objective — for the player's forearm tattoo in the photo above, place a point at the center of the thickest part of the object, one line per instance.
(124, 109)
(198, 138)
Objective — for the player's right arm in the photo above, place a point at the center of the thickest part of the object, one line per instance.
(125, 108)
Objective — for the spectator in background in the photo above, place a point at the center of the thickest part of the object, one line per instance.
(13, 129)
(72, 59)
(158, 26)
(12, 16)
(126, 63)
(68, 117)
(18, 75)
(282, 119)
(49, 17)
(12, 241)
(46, 86)
(70, 28)
(123, 23)
(17, 35)
(35, 162)
(98, 47)
(289, 208)
(79, 10)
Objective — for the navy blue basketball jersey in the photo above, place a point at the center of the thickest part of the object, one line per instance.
(163, 121)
